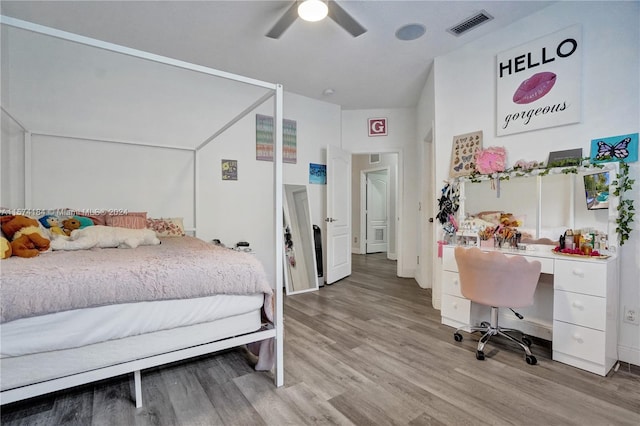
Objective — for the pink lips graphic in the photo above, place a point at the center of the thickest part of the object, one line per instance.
(534, 87)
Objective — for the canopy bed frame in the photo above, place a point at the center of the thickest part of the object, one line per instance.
(201, 345)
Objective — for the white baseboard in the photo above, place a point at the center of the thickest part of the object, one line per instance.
(355, 250)
(629, 354)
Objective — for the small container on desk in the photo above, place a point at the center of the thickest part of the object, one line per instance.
(467, 238)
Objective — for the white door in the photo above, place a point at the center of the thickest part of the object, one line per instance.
(377, 214)
(338, 214)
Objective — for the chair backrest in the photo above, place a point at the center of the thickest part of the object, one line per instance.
(493, 279)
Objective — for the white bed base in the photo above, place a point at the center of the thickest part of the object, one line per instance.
(135, 367)
(276, 91)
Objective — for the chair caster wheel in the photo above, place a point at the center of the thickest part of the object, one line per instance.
(485, 324)
(531, 360)
(457, 337)
(480, 356)
(526, 341)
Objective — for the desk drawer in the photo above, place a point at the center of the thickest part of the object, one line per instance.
(581, 277)
(580, 309)
(449, 259)
(456, 308)
(580, 342)
(451, 283)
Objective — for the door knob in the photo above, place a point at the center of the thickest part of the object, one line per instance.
(330, 219)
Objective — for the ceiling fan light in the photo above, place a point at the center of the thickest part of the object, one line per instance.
(313, 10)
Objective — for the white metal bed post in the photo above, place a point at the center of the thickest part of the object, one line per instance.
(27, 170)
(279, 244)
(196, 190)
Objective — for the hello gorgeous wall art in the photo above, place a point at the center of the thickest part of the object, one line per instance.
(539, 83)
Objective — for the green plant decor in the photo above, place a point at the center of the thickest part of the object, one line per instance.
(626, 208)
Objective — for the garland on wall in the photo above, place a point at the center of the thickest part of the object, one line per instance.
(624, 184)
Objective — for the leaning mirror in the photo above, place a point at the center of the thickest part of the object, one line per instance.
(300, 252)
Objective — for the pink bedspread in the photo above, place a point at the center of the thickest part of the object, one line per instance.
(179, 268)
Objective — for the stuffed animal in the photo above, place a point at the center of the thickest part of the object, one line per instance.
(5, 248)
(27, 239)
(105, 236)
(71, 224)
(508, 219)
(51, 222)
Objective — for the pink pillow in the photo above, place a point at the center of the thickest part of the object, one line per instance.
(127, 221)
(167, 227)
(100, 219)
(110, 216)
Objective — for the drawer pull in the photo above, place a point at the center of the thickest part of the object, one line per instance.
(577, 338)
(456, 282)
(454, 305)
(578, 272)
(576, 304)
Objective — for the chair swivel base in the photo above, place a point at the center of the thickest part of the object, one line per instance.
(489, 330)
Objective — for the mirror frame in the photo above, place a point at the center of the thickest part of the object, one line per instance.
(306, 253)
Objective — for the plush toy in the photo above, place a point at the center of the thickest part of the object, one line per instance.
(51, 222)
(71, 224)
(509, 220)
(105, 236)
(5, 248)
(27, 239)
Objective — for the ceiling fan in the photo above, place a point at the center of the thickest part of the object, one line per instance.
(335, 12)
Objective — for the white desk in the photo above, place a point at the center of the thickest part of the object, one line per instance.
(581, 323)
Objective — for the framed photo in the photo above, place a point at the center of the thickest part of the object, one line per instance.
(265, 139)
(566, 158)
(229, 169)
(615, 148)
(463, 153)
(318, 174)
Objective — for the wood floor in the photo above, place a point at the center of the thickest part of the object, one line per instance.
(368, 350)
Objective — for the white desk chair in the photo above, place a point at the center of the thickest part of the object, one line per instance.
(498, 281)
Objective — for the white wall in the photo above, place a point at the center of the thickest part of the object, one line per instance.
(400, 138)
(465, 97)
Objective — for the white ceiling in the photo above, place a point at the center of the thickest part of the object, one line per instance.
(374, 70)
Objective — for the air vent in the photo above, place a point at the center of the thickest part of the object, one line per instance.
(374, 158)
(470, 23)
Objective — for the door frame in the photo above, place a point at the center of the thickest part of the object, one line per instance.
(399, 200)
(363, 207)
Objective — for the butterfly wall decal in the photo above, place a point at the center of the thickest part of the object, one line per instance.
(617, 151)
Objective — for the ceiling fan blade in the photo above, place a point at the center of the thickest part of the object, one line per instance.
(342, 18)
(284, 22)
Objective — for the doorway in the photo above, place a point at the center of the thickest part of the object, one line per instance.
(375, 209)
(375, 204)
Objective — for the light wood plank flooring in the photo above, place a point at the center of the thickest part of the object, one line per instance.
(368, 350)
